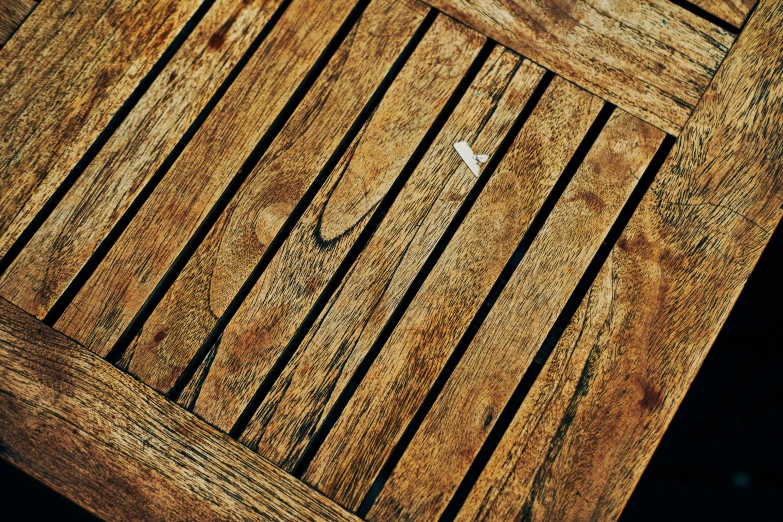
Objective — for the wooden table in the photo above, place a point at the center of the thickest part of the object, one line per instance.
(245, 274)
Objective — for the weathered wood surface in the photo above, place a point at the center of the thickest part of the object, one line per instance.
(124, 280)
(351, 321)
(12, 14)
(182, 321)
(280, 300)
(103, 192)
(732, 11)
(120, 450)
(59, 89)
(353, 452)
(466, 410)
(651, 58)
(592, 420)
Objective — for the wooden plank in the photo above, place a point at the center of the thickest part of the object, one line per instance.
(591, 422)
(297, 403)
(296, 276)
(651, 58)
(53, 107)
(12, 14)
(482, 383)
(120, 450)
(353, 452)
(122, 282)
(103, 192)
(732, 11)
(224, 260)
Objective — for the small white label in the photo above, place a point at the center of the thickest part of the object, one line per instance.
(470, 159)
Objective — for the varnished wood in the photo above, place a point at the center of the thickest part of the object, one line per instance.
(122, 451)
(12, 14)
(59, 89)
(280, 300)
(124, 280)
(466, 410)
(180, 324)
(731, 11)
(67, 239)
(592, 420)
(353, 452)
(651, 58)
(344, 332)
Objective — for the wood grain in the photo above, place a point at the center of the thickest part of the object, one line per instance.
(651, 58)
(120, 450)
(213, 276)
(293, 410)
(731, 11)
(495, 361)
(130, 271)
(288, 288)
(591, 422)
(353, 452)
(54, 106)
(12, 14)
(103, 192)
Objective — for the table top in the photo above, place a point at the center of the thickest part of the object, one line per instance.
(246, 273)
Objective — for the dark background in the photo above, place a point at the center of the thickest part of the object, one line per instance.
(720, 459)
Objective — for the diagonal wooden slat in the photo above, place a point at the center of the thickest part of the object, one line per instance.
(591, 422)
(12, 14)
(120, 450)
(731, 11)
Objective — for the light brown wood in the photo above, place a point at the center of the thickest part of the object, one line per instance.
(59, 89)
(651, 58)
(731, 11)
(134, 266)
(12, 14)
(280, 300)
(200, 295)
(353, 452)
(103, 192)
(495, 361)
(351, 321)
(122, 451)
(591, 422)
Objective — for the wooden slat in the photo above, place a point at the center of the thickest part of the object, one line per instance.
(731, 11)
(591, 422)
(65, 241)
(12, 14)
(62, 77)
(122, 451)
(126, 277)
(466, 410)
(651, 58)
(353, 452)
(280, 300)
(181, 322)
(294, 409)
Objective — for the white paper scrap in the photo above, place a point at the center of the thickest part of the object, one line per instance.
(470, 159)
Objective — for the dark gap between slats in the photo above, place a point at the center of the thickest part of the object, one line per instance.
(364, 236)
(576, 298)
(353, 383)
(299, 209)
(35, 5)
(114, 123)
(701, 13)
(511, 265)
(236, 182)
